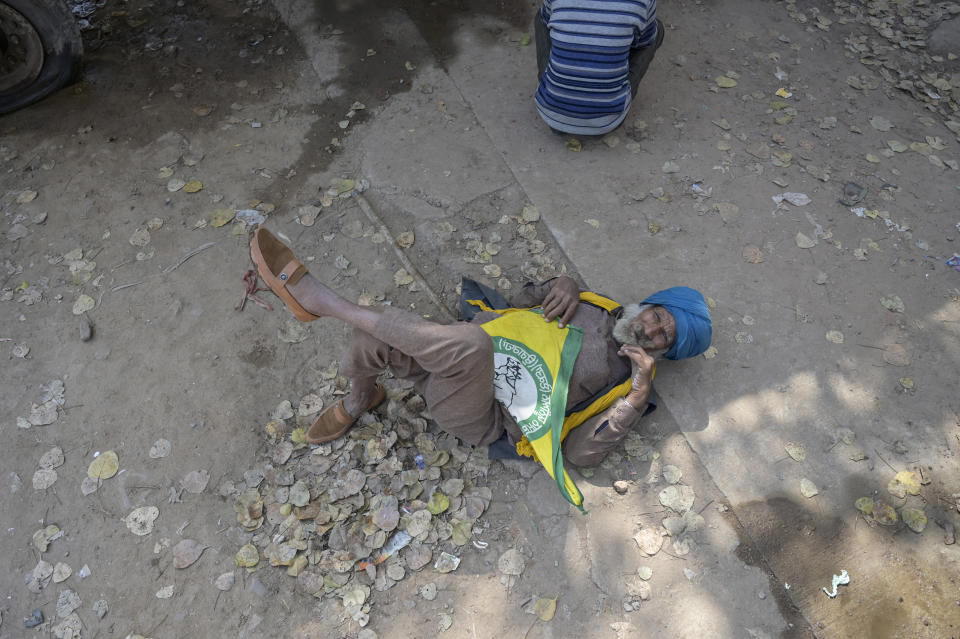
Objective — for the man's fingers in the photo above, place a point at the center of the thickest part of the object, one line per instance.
(568, 314)
(547, 305)
(550, 308)
(638, 356)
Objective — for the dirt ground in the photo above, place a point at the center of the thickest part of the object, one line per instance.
(362, 133)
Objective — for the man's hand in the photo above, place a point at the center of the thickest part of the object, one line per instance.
(562, 300)
(641, 381)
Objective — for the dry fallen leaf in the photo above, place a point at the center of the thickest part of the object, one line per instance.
(803, 241)
(308, 215)
(225, 581)
(402, 277)
(896, 355)
(671, 474)
(43, 537)
(678, 498)
(53, 458)
(195, 481)
(914, 518)
(247, 556)
(310, 404)
(906, 482)
(530, 213)
(753, 254)
(26, 196)
(835, 336)
(140, 237)
(193, 186)
(884, 514)
(545, 608)
(846, 435)
(221, 216)
(892, 303)
(725, 82)
(186, 552)
(44, 478)
(89, 486)
(865, 505)
(140, 520)
(649, 540)
(104, 466)
(61, 572)
(796, 450)
(83, 304)
(405, 239)
(808, 488)
(160, 449)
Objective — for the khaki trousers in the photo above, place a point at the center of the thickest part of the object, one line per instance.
(451, 365)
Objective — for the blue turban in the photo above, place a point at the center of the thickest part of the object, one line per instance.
(692, 318)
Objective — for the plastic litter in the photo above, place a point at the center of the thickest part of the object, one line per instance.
(853, 193)
(797, 199)
(398, 541)
(699, 189)
(446, 563)
(954, 262)
(34, 620)
(251, 217)
(418, 460)
(838, 580)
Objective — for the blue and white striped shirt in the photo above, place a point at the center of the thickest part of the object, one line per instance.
(585, 88)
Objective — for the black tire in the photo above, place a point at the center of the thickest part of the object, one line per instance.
(40, 50)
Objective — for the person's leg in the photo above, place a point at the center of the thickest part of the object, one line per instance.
(455, 361)
(640, 60)
(364, 360)
(452, 363)
(541, 36)
(453, 368)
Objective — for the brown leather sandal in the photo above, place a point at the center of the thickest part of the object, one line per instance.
(334, 421)
(278, 268)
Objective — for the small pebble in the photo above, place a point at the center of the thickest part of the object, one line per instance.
(762, 595)
(86, 330)
(621, 487)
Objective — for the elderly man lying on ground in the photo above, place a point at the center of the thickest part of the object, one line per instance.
(560, 365)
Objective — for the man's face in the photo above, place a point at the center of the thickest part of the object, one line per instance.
(654, 328)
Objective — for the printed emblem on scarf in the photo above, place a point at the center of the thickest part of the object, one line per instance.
(522, 383)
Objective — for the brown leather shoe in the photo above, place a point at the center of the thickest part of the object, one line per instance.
(278, 268)
(333, 422)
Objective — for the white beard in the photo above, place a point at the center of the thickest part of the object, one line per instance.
(624, 333)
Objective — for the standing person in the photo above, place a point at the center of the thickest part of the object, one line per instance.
(591, 55)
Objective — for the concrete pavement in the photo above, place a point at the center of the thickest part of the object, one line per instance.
(628, 226)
